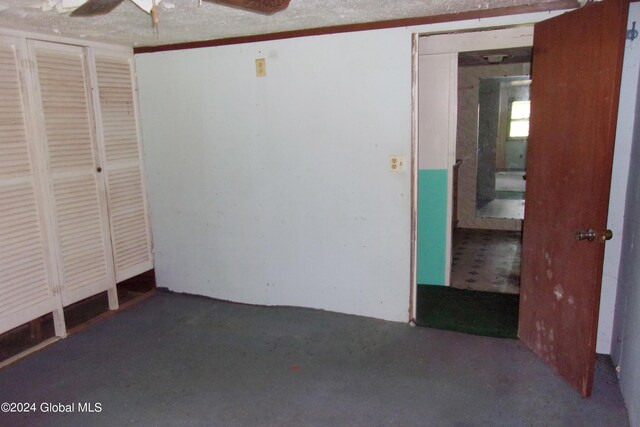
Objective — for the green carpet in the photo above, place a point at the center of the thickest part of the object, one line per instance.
(472, 312)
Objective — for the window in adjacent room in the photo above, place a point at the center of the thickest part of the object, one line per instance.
(519, 120)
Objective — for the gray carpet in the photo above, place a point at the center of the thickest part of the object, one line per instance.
(183, 360)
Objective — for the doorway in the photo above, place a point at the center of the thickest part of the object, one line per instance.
(556, 94)
(490, 170)
(485, 165)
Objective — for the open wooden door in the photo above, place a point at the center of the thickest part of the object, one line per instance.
(577, 63)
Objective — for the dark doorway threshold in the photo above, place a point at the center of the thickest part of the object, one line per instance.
(473, 312)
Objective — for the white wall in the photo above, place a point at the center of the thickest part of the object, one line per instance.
(625, 349)
(277, 190)
(619, 176)
(626, 345)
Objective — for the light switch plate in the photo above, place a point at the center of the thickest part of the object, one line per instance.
(261, 67)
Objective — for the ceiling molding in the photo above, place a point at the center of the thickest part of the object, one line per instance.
(365, 26)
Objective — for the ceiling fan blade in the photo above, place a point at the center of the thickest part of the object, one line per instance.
(96, 7)
(265, 7)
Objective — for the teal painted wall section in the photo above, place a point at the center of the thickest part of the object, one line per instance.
(432, 226)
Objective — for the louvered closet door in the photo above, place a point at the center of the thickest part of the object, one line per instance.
(118, 130)
(85, 263)
(25, 267)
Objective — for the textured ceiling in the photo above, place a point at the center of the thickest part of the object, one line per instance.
(184, 20)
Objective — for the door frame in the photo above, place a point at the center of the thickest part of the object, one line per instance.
(450, 44)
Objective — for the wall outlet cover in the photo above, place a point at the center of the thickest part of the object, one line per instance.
(396, 163)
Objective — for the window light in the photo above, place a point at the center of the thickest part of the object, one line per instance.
(519, 120)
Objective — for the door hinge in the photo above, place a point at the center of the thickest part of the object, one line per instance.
(632, 33)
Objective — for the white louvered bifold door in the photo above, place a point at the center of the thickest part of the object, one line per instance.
(119, 135)
(78, 200)
(26, 276)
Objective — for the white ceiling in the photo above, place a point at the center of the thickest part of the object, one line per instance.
(184, 20)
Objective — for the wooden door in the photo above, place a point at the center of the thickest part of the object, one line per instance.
(76, 188)
(26, 271)
(118, 136)
(577, 63)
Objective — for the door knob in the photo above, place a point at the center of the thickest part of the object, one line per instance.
(99, 169)
(607, 235)
(589, 235)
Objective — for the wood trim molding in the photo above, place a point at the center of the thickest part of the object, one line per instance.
(365, 26)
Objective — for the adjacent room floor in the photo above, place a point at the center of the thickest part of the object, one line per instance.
(184, 360)
(486, 260)
(503, 208)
